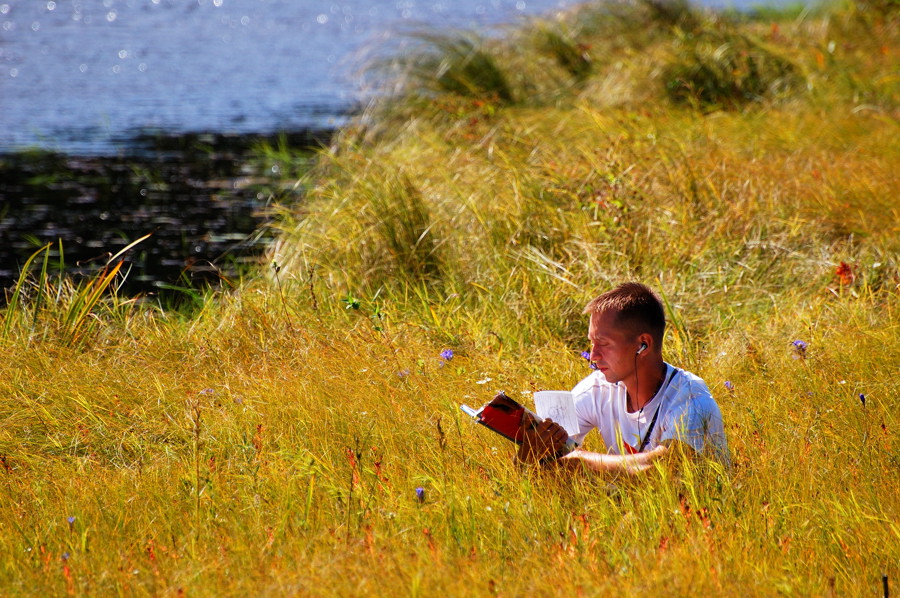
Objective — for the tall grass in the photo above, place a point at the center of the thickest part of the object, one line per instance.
(716, 70)
(62, 308)
(273, 443)
(249, 451)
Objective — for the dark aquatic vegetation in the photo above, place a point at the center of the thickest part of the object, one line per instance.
(201, 198)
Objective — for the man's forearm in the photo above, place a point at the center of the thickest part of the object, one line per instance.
(631, 464)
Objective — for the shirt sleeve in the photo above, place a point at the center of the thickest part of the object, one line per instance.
(697, 422)
(585, 395)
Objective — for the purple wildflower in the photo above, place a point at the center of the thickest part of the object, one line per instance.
(71, 519)
(447, 354)
(862, 399)
(420, 494)
(65, 556)
(404, 373)
(587, 355)
(799, 349)
(729, 385)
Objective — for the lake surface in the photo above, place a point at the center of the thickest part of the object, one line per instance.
(87, 76)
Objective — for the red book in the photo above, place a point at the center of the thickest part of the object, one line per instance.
(504, 416)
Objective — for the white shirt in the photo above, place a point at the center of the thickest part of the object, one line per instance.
(687, 412)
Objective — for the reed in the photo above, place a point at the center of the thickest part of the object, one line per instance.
(65, 308)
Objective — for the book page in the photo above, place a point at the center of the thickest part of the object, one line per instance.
(558, 405)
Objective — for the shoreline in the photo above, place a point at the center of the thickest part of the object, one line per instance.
(149, 144)
(203, 196)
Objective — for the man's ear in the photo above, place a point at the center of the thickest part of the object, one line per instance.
(645, 342)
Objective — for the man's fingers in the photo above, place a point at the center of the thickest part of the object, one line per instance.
(546, 437)
(550, 425)
(552, 435)
(555, 430)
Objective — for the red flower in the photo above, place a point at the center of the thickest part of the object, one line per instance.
(845, 273)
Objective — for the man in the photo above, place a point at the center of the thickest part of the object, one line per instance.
(642, 406)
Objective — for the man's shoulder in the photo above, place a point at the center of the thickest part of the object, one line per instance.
(689, 390)
(685, 381)
(590, 385)
(590, 382)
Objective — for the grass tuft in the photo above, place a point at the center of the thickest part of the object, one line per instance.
(63, 308)
(728, 70)
(459, 64)
(571, 55)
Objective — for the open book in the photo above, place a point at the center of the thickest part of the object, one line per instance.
(504, 415)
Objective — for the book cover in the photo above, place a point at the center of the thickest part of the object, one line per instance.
(504, 416)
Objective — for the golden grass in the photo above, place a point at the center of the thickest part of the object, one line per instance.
(272, 442)
(249, 452)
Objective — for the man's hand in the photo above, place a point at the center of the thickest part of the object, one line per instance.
(540, 439)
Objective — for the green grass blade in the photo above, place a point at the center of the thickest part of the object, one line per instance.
(13, 305)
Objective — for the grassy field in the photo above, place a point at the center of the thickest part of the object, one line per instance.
(300, 434)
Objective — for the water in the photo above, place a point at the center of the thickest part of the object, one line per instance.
(119, 90)
(86, 77)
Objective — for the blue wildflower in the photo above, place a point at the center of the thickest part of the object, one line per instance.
(71, 519)
(420, 494)
(862, 399)
(587, 355)
(799, 349)
(447, 354)
(729, 385)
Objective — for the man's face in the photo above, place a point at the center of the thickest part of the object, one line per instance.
(612, 348)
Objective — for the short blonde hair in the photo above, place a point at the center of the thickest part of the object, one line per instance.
(635, 306)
